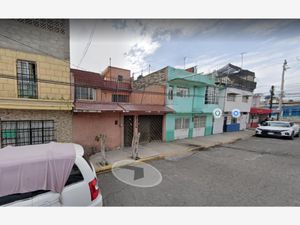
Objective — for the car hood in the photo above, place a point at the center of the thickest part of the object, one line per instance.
(274, 128)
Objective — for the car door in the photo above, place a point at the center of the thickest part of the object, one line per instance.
(46, 198)
(76, 191)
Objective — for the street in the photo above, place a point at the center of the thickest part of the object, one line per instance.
(252, 172)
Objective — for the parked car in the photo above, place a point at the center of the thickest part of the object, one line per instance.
(278, 129)
(80, 189)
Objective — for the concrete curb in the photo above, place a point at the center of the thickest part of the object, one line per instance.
(108, 168)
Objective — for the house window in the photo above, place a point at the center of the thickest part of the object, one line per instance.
(211, 95)
(199, 121)
(170, 93)
(182, 92)
(245, 99)
(85, 93)
(26, 79)
(120, 98)
(120, 78)
(231, 97)
(27, 132)
(182, 123)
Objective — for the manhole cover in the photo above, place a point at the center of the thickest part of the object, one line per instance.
(137, 174)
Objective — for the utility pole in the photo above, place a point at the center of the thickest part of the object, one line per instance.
(184, 59)
(110, 68)
(284, 68)
(242, 59)
(149, 68)
(271, 99)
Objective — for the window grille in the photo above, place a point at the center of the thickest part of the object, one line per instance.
(26, 132)
(182, 92)
(120, 98)
(199, 121)
(26, 79)
(182, 123)
(211, 95)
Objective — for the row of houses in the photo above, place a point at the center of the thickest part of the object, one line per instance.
(42, 99)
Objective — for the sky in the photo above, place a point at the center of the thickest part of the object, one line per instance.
(207, 44)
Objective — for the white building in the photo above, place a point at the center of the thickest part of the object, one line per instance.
(236, 87)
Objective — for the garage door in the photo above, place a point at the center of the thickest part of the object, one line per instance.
(150, 128)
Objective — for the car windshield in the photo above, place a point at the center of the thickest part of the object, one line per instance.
(279, 124)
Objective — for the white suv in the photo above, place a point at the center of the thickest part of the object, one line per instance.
(81, 189)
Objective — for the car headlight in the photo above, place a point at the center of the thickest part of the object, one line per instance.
(285, 132)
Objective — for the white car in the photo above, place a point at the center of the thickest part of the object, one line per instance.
(278, 129)
(80, 189)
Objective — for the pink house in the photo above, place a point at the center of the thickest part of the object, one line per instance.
(107, 104)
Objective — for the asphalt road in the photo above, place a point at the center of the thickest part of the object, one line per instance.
(252, 172)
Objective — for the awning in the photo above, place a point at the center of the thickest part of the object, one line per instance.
(145, 108)
(260, 111)
(97, 107)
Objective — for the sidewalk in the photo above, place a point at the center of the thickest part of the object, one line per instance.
(161, 150)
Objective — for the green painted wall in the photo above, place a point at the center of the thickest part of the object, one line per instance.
(191, 105)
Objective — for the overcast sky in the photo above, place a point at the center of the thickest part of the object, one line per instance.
(207, 44)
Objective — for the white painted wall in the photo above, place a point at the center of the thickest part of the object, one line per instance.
(218, 125)
(237, 104)
(197, 132)
(181, 133)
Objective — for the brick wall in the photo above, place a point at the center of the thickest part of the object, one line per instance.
(62, 120)
(158, 77)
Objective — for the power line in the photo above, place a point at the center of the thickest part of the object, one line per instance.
(88, 43)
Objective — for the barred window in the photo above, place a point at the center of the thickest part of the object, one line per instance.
(182, 123)
(231, 97)
(211, 95)
(170, 93)
(120, 98)
(199, 121)
(85, 93)
(182, 92)
(26, 79)
(26, 132)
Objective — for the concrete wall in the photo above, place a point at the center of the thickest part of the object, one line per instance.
(106, 96)
(62, 120)
(154, 95)
(87, 125)
(111, 73)
(40, 35)
(228, 106)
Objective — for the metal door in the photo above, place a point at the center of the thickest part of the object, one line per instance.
(128, 130)
(150, 128)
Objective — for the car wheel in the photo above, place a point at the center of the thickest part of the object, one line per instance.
(297, 135)
(292, 136)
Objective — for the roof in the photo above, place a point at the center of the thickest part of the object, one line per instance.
(35, 167)
(254, 110)
(145, 108)
(96, 80)
(231, 69)
(87, 78)
(97, 107)
(118, 107)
